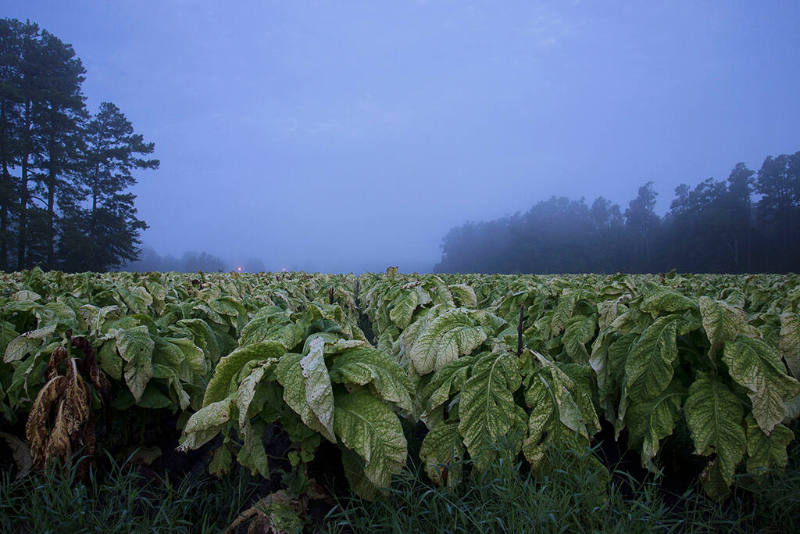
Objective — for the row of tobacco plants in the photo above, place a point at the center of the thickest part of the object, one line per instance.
(495, 369)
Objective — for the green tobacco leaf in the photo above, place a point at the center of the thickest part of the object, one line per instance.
(403, 307)
(204, 337)
(651, 421)
(272, 324)
(715, 416)
(542, 418)
(663, 300)
(319, 392)
(362, 486)
(445, 382)
(7, 333)
(293, 379)
(365, 365)
(153, 399)
(757, 367)
(463, 295)
(221, 462)
(608, 362)
(445, 338)
(789, 343)
(193, 357)
(247, 390)
(648, 369)
(563, 311)
(581, 376)
(721, 321)
(228, 367)
(556, 418)
(608, 311)
(371, 429)
(252, 454)
(766, 452)
(579, 331)
(135, 346)
(110, 361)
(487, 408)
(206, 423)
(27, 343)
(442, 451)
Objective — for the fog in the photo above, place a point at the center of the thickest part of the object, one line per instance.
(349, 136)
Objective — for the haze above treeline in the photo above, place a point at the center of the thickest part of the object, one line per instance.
(353, 137)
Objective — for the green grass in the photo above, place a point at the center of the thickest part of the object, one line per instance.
(575, 495)
(125, 501)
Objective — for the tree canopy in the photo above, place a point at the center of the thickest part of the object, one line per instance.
(746, 223)
(65, 199)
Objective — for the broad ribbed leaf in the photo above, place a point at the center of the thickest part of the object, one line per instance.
(714, 415)
(252, 454)
(402, 308)
(292, 377)
(649, 422)
(203, 337)
(353, 466)
(608, 362)
(7, 333)
(757, 367)
(648, 369)
(447, 337)
(581, 376)
(365, 365)
(721, 321)
(193, 357)
(556, 418)
(319, 392)
(487, 408)
(543, 415)
(608, 311)
(579, 331)
(442, 451)
(206, 423)
(789, 343)
(766, 452)
(247, 391)
(371, 429)
(220, 385)
(664, 300)
(463, 295)
(136, 347)
(27, 343)
(563, 311)
(272, 324)
(445, 382)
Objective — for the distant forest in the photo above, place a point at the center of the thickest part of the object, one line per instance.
(189, 262)
(65, 173)
(747, 223)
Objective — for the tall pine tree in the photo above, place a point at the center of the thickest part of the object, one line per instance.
(103, 232)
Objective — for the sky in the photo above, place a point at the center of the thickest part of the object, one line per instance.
(349, 136)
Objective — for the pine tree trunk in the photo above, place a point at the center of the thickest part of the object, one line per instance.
(51, 201)
(23, 200)
(5, 187)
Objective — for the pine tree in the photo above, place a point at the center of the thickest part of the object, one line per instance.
(60, 114)
(105, 233)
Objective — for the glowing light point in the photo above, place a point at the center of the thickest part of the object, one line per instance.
(239, 268)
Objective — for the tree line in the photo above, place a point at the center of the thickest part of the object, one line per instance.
(66, 173)
(747, 223)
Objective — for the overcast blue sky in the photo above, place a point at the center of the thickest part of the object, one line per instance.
(351, 135)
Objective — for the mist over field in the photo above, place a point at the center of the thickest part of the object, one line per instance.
(417, 266)
(342, 137)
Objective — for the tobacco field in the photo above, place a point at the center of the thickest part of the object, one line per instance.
(288, 375)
